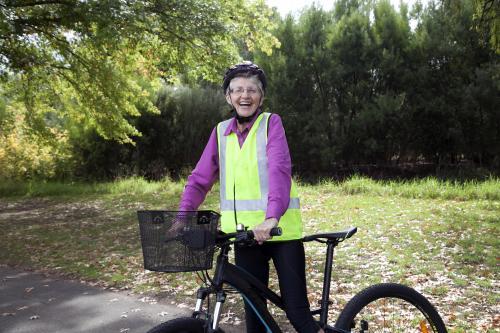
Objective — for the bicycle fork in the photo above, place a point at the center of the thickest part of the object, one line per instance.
(212, 321)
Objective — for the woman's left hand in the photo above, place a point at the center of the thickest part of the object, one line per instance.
(262, 232)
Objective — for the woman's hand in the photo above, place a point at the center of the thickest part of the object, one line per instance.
(262, 232)
(175, 229)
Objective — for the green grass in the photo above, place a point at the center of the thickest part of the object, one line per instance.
(427, 188)
(134, 185)
(438, 237)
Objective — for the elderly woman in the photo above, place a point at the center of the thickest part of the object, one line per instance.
(249, 153)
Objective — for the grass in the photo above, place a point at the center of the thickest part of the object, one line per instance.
(438, 237)
(427, 188)
(134, 185)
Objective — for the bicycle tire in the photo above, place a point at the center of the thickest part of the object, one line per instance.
(181, 325)
(409, 311)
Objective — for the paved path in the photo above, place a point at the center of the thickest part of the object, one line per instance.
(31, 302)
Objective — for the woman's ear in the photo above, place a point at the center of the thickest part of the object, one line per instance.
(261, 100)
(228, 99)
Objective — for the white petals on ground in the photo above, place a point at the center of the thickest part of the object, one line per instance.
(34, 317)
(163, 314)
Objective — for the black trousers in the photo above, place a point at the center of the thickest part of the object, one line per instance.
(289, 260)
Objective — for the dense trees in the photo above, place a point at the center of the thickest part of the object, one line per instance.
(361, 84)
(94, 62)
(69, 67)
(358, 85)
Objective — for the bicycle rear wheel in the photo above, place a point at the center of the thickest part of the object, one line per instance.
(390, 307)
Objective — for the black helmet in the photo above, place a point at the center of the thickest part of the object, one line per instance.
(244, 67)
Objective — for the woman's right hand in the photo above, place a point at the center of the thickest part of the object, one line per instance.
(262, 232)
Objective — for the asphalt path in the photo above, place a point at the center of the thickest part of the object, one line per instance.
(33, 302)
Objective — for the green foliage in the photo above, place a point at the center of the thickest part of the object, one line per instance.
(174, 140)
(427, 188)
(487, 22)
(93, 64)
(123, 187)
(359, 85)
(363, 84)
(171, 142)
(27, 154)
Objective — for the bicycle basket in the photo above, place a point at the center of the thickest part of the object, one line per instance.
(178, 241)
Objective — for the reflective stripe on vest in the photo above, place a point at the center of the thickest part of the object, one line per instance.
(258, 205)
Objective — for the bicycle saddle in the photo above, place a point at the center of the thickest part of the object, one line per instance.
(336, 236)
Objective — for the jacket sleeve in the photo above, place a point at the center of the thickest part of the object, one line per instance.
(203, 176)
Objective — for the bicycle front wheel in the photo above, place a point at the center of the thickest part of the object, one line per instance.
(390, 307)
(180, 325)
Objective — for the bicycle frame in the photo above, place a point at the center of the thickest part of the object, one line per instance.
(253, 290)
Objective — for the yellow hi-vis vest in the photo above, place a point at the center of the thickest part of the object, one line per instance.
(244, 182)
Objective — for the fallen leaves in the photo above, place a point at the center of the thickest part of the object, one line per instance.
(149, 300)
(444, 248)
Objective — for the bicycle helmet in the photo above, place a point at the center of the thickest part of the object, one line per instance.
(244, 67)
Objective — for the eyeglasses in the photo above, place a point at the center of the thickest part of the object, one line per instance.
(241, 91)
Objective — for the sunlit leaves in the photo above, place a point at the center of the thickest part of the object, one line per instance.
(102, 60)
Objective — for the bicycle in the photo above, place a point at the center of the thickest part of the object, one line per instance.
(185, 241)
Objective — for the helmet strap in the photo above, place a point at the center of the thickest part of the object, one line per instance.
(244, 120)
(241, 119)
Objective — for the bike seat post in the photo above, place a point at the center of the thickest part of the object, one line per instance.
(325, 298)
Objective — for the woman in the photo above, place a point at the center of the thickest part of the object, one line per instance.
(249, 153)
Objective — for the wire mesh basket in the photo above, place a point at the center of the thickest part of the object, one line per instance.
(178, 241)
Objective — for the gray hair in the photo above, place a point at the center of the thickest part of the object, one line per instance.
(252, 77)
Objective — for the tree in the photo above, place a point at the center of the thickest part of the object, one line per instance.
(487, 22)
(357, 85)
(93, 63)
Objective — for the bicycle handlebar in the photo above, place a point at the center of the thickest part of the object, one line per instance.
(244, 235)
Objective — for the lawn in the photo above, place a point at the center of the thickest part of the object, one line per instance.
(438, 237)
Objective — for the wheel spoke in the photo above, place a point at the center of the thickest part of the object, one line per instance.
(393, 315)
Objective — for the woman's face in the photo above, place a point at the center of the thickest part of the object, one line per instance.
(244, 95)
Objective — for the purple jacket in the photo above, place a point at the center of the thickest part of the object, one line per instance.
(206, 171)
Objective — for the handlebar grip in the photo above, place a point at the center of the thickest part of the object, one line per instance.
(276, 231)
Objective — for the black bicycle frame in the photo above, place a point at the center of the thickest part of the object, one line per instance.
(254, 291)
